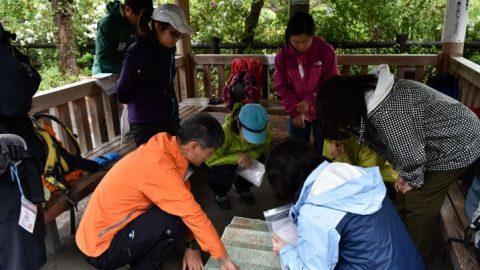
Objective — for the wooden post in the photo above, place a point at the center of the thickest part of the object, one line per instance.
(454, 29)
(215, 45)
(184, 47)
(295, 6)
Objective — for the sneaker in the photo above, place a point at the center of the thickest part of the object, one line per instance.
(222, 201)
(247, 197)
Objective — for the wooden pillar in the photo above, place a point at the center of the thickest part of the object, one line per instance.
(297, 5)
(454, 29)
(184, 48)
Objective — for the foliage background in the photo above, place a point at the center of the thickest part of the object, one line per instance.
(337, 20)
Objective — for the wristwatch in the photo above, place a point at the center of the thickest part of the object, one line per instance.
(193, 245)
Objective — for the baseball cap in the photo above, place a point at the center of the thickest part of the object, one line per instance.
(253, 120)
(172, 14)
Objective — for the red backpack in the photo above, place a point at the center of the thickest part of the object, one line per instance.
(244, 83)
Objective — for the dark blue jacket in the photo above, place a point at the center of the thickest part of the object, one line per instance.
(146, 82)
(345, 221)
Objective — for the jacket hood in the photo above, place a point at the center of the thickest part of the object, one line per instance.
(113, 8)
(344, 187)
(384, 86)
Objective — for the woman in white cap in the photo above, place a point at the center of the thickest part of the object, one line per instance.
(146, 80)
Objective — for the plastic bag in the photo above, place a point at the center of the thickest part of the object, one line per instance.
(124, 125)
(279, 222)
(254, 173)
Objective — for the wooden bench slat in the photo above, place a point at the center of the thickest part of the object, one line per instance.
(462, 258)
(457, 199)
(95, 152)
(272, 107)
(190, 110)
(82, 187)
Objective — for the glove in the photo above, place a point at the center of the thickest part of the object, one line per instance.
(12, 148)
(107, 159)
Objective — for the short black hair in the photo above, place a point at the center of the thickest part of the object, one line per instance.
(288, 166)
(138, 5)
(300, 23)
(202, 128)
(341, 105)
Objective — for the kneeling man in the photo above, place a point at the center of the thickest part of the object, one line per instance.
(143, 205)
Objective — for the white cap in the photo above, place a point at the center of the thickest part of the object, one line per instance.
(173, 15)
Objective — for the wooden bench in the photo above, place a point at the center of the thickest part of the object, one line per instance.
(273, 107)
(453, 224)
(83, 187)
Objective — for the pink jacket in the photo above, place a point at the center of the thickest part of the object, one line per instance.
(319, 64)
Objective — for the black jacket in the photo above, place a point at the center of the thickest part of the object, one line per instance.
(19, 81)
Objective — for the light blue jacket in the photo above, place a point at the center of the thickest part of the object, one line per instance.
(344, 202)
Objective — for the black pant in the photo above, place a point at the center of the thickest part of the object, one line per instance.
(19, 249)
(223, 176)
(143, 243)
(144, 131)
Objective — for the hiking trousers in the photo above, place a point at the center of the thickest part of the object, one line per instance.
(19, 249)
(144, 243)
(420, 208)
(304, 134)
(143, 132)
(222, 177)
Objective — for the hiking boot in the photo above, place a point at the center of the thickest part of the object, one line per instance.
(222, 201)
(247, 197)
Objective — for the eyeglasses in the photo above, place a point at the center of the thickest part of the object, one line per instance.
(176, 35)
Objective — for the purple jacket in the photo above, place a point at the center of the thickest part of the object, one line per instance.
(319, 64)
(146, 82)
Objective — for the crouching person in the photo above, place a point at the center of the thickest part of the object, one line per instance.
(143, 206)
(247, 138)
(343, 218)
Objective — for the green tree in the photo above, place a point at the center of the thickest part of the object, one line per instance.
(67, 48)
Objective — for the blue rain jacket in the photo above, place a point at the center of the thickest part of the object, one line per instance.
(345, 221)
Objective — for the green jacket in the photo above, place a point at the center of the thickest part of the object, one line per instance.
(360, 155)
(235, 145)
(114, 36)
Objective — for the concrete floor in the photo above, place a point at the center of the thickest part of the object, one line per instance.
(69, 258)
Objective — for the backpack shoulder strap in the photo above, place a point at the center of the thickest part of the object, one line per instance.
(72, 136)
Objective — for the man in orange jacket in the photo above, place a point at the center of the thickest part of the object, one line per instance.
(143, 206)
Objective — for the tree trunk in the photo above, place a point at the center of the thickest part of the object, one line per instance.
(252, 20)
(67, 49)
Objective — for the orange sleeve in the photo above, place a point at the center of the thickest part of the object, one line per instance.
(170, 193)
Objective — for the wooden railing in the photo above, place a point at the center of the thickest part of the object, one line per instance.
(94, 116)
(412, 65)
(87, 110)
(468, 74)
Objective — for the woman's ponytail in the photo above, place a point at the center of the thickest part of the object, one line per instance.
(143, 22)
